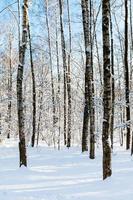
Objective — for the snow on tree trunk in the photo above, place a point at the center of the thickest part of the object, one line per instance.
(22, 51)
(89, 98)
(107, 90)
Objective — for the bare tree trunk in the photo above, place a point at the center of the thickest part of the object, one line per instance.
(69, 79)
(89, 98)
(40, 114)
(51, 70)
(10, 89)
(127, 78)
(131, 35)
(18, 4)
(122, 108)
(63, 46)
(59, 97)
(92, 110)
(98, 59)
(33, 92)
(87, 46)
(22, 51)
(113, 82)
(131, 53)
(120, 98)
(107, 90)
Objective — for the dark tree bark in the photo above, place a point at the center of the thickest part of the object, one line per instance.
(131, 45)
(33, 92)
(89, 99)
(126, 68)
(92, 109)
(107, 90)
(69, 79)
(131, 52)
(22, 51)
(113, 82)
(63, 46)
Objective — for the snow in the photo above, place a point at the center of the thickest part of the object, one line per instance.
(63, 175)
(88, 49)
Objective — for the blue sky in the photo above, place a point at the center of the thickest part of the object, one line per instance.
(4, 3)
(5, 14)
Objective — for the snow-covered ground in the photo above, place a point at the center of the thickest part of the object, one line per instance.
(63, 175)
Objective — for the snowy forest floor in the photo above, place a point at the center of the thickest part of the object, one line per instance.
(63, 175)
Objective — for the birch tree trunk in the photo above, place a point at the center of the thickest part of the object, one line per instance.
(22, 51)
(107, 90)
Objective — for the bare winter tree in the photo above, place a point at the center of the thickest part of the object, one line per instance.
(63, 46)
(107, 89)
(51, 70)
(126, 68)
(59, 87)
(22, 51)
(89, 100)
(10, 88)
(113, 81)
(69, 78)
(33, 91)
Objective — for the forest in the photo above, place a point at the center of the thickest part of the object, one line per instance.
(66, 91)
